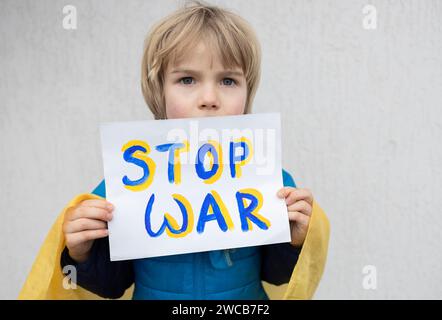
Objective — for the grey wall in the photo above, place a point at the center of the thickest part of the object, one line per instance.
(361, 116)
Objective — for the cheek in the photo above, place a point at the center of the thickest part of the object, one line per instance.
(237, 103)
(242, 106)
(176, 105)
(175, 111)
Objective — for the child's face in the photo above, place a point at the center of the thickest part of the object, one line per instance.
(199, 86)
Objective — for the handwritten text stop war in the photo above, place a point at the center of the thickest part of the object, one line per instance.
(249, 200)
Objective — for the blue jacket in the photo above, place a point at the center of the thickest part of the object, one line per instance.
(219, 274)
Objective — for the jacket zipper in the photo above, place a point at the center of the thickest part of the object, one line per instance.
(228, 258)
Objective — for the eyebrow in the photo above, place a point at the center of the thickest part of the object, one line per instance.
(226, 72)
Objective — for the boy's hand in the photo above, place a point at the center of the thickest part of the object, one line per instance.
(299, 205)
(83, 224)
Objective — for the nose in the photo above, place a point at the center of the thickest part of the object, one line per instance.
(209, 99)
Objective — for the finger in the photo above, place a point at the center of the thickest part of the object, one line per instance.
(304, 194)
(83, 224)
(284, 192)
(91, 213)
(301, 206)
(77, 238)
(291, 198)
(292, 195)
(298, 217)
(98, 203)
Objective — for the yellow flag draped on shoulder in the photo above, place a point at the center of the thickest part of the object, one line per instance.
(47, 281)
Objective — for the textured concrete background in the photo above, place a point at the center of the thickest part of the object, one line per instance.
(361, 115)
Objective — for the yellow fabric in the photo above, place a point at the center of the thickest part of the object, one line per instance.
(311, 262)
(45, 281)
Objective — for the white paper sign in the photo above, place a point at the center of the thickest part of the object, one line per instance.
(191, 185)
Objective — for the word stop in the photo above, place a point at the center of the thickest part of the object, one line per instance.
(136, 152)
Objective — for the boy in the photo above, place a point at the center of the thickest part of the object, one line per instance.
(200, 61)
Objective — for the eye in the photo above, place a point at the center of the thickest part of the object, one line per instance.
(186, 80)
(228, 82)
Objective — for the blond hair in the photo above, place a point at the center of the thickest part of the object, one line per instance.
(230, 35)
